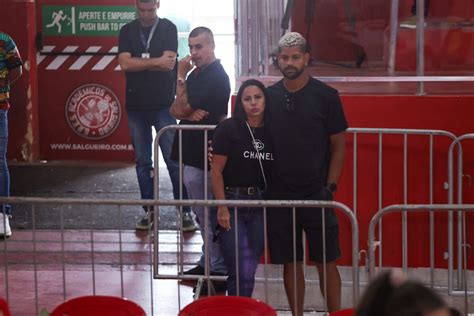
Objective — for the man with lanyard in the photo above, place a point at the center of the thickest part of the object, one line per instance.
(147, 54)
(10, 70)
(201, 98)
(308, 129)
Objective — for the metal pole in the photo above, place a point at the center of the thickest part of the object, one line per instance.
(405, 200)
(420, 44)
(392, 46)
(460, 221)
(237, 33)
(450, 218)
(354, 179)
(432, 232)
(255, 40)
(380, 194)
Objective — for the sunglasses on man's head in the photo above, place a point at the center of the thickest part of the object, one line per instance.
(290, 102)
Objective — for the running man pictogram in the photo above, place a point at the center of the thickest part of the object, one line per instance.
(57, 18)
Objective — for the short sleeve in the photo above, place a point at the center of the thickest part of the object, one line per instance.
(221, 141)
(12, 56)
(124, 40)
(211, 94)
(171, 37)
(336, 119)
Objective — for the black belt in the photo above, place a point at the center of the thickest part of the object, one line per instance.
(244, 190)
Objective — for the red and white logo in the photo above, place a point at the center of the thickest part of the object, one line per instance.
(93, 111)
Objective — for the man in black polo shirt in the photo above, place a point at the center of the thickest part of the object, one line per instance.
(201, 99)
(147, 54)
(308, 129)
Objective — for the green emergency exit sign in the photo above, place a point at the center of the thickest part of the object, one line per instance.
(85, 20)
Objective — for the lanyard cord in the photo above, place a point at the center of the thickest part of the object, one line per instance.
(145, 42)
(258, 155)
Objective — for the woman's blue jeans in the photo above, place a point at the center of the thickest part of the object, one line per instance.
(250, 240)
(4, 174)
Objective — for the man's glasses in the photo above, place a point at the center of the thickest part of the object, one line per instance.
(290, 102)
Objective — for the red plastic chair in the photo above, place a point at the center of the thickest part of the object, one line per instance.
(343, 312)
(228, 306)
(4, 308)
(98, 305)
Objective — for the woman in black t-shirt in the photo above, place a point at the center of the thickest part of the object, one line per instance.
(242, 155)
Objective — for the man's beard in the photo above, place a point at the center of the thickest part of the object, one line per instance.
(297, 72)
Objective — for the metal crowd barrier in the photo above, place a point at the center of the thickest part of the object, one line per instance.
(156, 188)
(179, 129)
(381, 132)
(431, 136)
(265, 205)
(42, 267)
(445, 208)
(461, 220)
(156, 149)
(42, 252)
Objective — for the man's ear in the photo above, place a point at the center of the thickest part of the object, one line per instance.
(307, 58)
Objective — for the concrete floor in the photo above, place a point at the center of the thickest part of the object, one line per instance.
(83, 179)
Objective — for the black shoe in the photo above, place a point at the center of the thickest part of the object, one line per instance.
(197, 270)
(218, 273)
(219, 287)
(189, 222)
(145, 223)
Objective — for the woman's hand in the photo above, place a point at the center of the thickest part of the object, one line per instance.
(209, 151)
(223, 217)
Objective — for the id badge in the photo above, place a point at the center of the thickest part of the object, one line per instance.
(146, 55)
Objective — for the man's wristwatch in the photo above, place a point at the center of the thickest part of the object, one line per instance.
(332, 187)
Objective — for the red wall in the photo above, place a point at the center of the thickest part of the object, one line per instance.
(450, 113)
(57, 86)
(37, 117)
